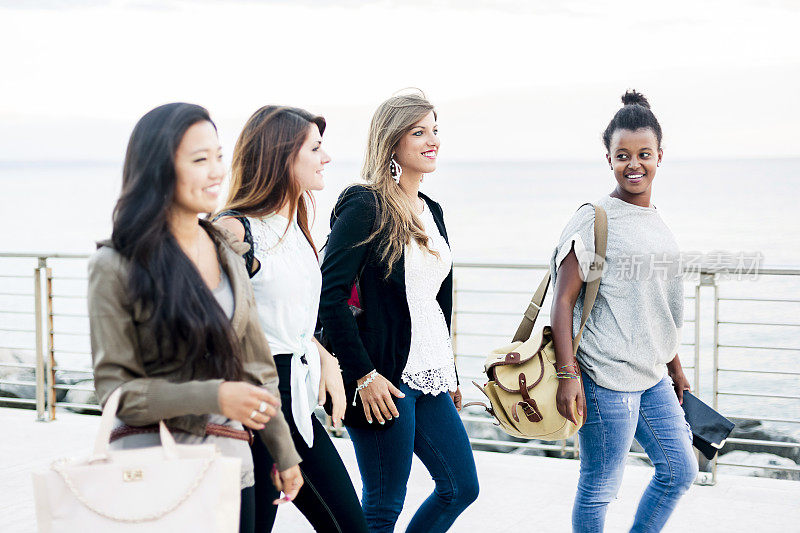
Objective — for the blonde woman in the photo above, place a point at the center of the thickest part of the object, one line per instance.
(278, 161)
(396, 357)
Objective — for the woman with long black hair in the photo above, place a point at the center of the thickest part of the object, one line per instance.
(397, 357)
(277, 164)
(170, 307)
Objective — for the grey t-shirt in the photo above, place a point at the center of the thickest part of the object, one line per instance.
(634, 327)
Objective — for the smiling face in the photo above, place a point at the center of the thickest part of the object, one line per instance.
(198, 170)
(634, 157)
(417, 149)
(310, 161)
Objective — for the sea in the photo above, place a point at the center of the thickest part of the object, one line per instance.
(513, 212)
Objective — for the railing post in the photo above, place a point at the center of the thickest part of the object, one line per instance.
(41, 394)
(702, 478)
(715, 381)
(51, 357)
(705, 280)
(697, 338)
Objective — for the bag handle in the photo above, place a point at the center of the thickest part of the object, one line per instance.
(103, 438)
(592, 287)
(101, 453)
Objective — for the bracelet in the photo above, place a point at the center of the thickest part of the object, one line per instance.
(567, 375)
(571, 365)
(371, 377)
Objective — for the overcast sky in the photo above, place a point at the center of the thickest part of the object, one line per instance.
(511, 79)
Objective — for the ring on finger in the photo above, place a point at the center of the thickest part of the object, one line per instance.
(262, 407)
(253, 415)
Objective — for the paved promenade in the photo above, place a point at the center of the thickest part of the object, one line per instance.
(512, 487)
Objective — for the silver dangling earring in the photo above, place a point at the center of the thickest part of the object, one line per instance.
(395, 168)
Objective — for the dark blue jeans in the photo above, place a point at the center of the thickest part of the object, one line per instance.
(613, 419)
(428, 426)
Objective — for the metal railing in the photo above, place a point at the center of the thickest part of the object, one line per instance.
(31, 311)
(480, 324)
(44, 335)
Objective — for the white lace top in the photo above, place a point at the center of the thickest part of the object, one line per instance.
(287, 291)
(430, 366)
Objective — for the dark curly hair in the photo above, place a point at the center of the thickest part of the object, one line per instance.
(635, 114)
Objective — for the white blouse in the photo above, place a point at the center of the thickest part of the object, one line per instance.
(287, 289)
(430, 367)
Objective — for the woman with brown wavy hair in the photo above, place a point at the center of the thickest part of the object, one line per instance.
(396, 356)
(277, 163)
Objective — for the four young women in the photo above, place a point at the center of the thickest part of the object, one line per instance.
(213, 344)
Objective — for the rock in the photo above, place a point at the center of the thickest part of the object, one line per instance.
(478, 430)
(81, 396)
(638, 461)
(757, 461)
(528, 451)
(491, 431)
(29, 375)
(752, 429)
(17, 374)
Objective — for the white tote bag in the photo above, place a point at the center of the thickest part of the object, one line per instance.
(168, 488)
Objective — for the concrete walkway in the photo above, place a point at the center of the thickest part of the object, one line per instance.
(518, 493)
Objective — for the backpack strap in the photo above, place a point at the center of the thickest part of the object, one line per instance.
(592, 287)
(249, 256)
(529, 318)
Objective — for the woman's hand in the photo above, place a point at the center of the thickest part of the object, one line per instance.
(377, 398)
(679, 381)
(246, 403)
(570, 392)
(331, 383)
(456, 396)
(289, 482)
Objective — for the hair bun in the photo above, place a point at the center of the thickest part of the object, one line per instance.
(633, 97)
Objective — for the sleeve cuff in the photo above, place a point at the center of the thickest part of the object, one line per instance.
(192, 397)
(278, 440)
(581, 253)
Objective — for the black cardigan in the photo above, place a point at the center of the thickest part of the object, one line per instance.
(381, 337)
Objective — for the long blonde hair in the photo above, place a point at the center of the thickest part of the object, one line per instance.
(261, 177)
(397, 223)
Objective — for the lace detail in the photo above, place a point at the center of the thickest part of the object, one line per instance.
(270, 236)
(248, 479)
(433, 381)
(430, 367)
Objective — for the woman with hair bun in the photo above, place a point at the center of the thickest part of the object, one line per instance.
(397, 360)
(627, 381)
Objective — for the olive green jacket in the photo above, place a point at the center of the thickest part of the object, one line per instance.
(125, 355)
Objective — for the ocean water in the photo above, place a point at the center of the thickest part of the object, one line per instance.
(495, 211)
(499, 212)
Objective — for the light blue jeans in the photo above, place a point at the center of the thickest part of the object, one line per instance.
(613, 419)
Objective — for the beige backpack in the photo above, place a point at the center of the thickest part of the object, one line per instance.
(522, 375)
